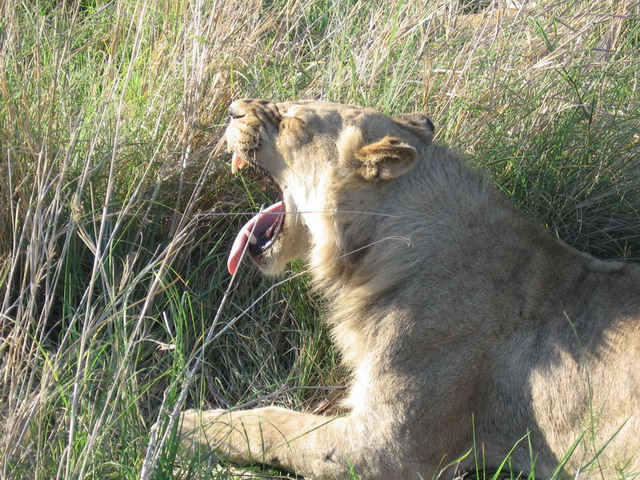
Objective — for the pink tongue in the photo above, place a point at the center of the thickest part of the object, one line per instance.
(258, 225)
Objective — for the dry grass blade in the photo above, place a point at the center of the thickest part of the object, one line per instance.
(117, 208)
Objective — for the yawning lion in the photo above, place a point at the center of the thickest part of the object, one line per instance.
(466, 325)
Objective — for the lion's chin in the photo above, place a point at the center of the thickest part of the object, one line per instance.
(270, 261)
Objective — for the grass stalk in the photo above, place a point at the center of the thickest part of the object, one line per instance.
(118, 208)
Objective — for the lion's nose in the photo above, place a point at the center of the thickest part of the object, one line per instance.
(264, 111)
(235, 110)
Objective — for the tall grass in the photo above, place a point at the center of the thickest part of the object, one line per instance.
(117, 208)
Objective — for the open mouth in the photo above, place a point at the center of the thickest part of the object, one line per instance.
(258, 234)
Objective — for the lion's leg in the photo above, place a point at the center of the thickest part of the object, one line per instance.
(311, 445)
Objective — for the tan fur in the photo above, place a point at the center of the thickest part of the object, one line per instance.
(464, 322)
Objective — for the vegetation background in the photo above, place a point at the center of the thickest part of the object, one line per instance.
(117, 210)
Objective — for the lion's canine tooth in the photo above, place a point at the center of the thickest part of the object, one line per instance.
(237, 162)
(252, 238)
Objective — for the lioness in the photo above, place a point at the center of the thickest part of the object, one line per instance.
(465, 324)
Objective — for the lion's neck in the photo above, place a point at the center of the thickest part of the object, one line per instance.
(381, 237)
(430, 230)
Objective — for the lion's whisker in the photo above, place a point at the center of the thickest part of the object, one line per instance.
(354, 212)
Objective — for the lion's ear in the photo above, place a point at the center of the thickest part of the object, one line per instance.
(386, 159)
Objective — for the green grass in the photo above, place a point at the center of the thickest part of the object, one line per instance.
(117, 211)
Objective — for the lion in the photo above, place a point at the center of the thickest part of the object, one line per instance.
(466, 325)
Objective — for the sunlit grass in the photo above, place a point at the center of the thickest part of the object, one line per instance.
(117, 210)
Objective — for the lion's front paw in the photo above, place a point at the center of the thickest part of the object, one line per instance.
(203, 428)
(236, 436)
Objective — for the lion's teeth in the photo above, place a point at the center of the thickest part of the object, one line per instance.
(237, 162)
(252, 238)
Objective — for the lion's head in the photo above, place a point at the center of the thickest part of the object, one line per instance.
(330, 162)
